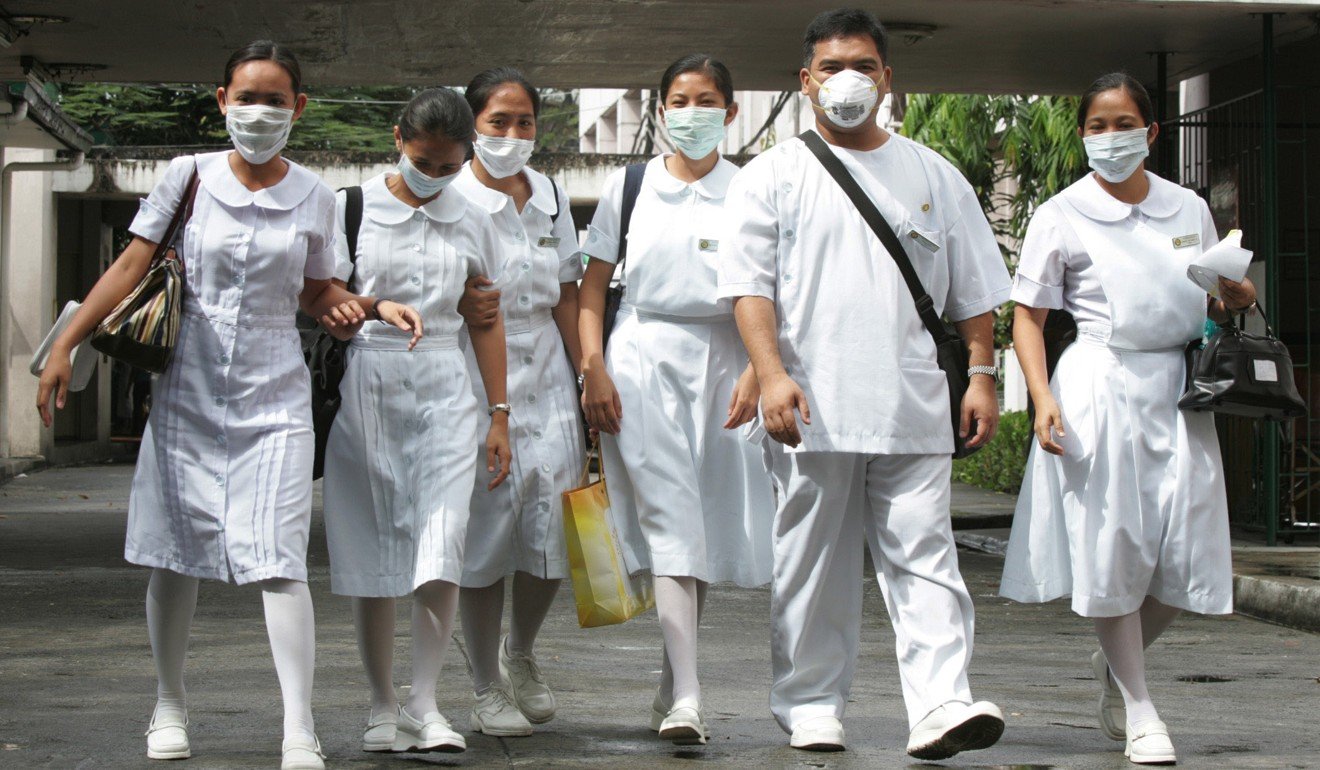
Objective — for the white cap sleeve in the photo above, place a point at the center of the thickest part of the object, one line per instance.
(749, 250)
(320, 265)
(570, 263)
(343, 260)
(157, 209)
(1043, 264)
(603, 233)
(978, 279)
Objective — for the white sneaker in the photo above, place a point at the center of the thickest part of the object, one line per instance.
(527, 685)
(301, 755)
(956, 727)
(660, 708)
(1113, 711)
(430, 733)
(684, 726)
(1149, 744)
(818, 734)
(380, 732)
(496, 715)
(167, 736)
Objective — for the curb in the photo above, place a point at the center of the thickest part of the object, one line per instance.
(1286, 604)
(13, 467)
(963, 521)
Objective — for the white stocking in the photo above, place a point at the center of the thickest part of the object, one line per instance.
(1155, 619)
(483, 609)
(171, 601)
(1121, 641)
(434, 606)
(677, 603)
(373, 618)
(291, 626)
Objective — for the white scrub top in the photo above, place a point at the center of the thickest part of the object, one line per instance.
(223, 486)
(673, 240)
(849, 333)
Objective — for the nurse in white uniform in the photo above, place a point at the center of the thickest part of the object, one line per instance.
(691, 499)
(402, 456)
(521, 530)
(1123, 504)
(854, 398)
(223, 487)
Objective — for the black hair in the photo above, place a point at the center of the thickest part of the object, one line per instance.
(844, 22)
(437, 112)
(266, 50)
(484, 85)
(1119, 80)
(705, 65)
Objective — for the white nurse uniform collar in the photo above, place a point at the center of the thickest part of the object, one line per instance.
(218, 178)
(380, 205)
(543, 192)
(712, 186)
(1087, 196)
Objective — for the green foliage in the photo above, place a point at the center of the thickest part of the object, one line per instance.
(345, 120)
(1000, 466)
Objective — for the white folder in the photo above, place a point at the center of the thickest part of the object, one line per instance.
(83, 359)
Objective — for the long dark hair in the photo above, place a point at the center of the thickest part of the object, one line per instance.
(437, 112)
(1119, 80)
(265, 50)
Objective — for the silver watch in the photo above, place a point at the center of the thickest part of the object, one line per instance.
(992, 371)
(507, 409)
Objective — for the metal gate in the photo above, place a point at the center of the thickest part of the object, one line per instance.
(1224, 152)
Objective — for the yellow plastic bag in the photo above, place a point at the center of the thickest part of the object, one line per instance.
(606, 594)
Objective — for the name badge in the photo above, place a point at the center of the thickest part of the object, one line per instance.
(708, 244)
(1265, 370)
(1183, 241)
(548, 242)
(924, 241)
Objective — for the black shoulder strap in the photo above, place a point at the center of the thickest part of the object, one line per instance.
(352, 219)
(554, 218)
(925, 305)
(632, 185)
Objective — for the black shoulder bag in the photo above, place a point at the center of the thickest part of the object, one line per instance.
(327, 357)
(632, 185)
(1248, 375)
(950, 351)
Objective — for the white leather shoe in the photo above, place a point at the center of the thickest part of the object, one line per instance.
(495, 714)
(818, 734)
(430, 733)
(956, 727)
(301, 755)
(1113, 711)
(660, 708)
(684, 726)
(380, 732)
(1149, 744)
(167, 736)
(527, 685)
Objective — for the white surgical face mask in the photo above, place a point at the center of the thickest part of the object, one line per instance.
(1115, 155)
(423, 186)
(503, 156)
(696, 131)
(257, 131)
(847, 98)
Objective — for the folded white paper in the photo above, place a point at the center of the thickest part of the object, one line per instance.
(1226, 258)
(83, 358)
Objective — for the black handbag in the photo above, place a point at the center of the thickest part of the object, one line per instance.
(326, 356)
(950, 350)
(143, 327)
(1249, 375)
(632, 185)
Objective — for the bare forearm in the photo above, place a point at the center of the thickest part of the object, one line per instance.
(1029, 342)
(978, 333)
(591, 314)
(109, 290)
(319, 297)
(759, 329)
(488, 346)
(566, 318)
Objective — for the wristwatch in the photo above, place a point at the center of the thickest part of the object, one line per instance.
(507, 409)
(375, 307)
(992, 371)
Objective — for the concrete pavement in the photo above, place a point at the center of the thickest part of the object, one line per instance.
(76, 681)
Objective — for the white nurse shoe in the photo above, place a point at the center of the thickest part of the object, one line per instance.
(380, 732)
(956, 727)
(818, 734)
(1149, 744)
(300, 754)
(1113, 711)
(495, 714)
(685, 726)
(167, 736)
(527, 684)
(660, 708)
(430, 733)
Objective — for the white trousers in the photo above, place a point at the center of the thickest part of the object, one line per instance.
(900, 503)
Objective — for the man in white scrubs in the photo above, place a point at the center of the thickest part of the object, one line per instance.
(852, 394)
